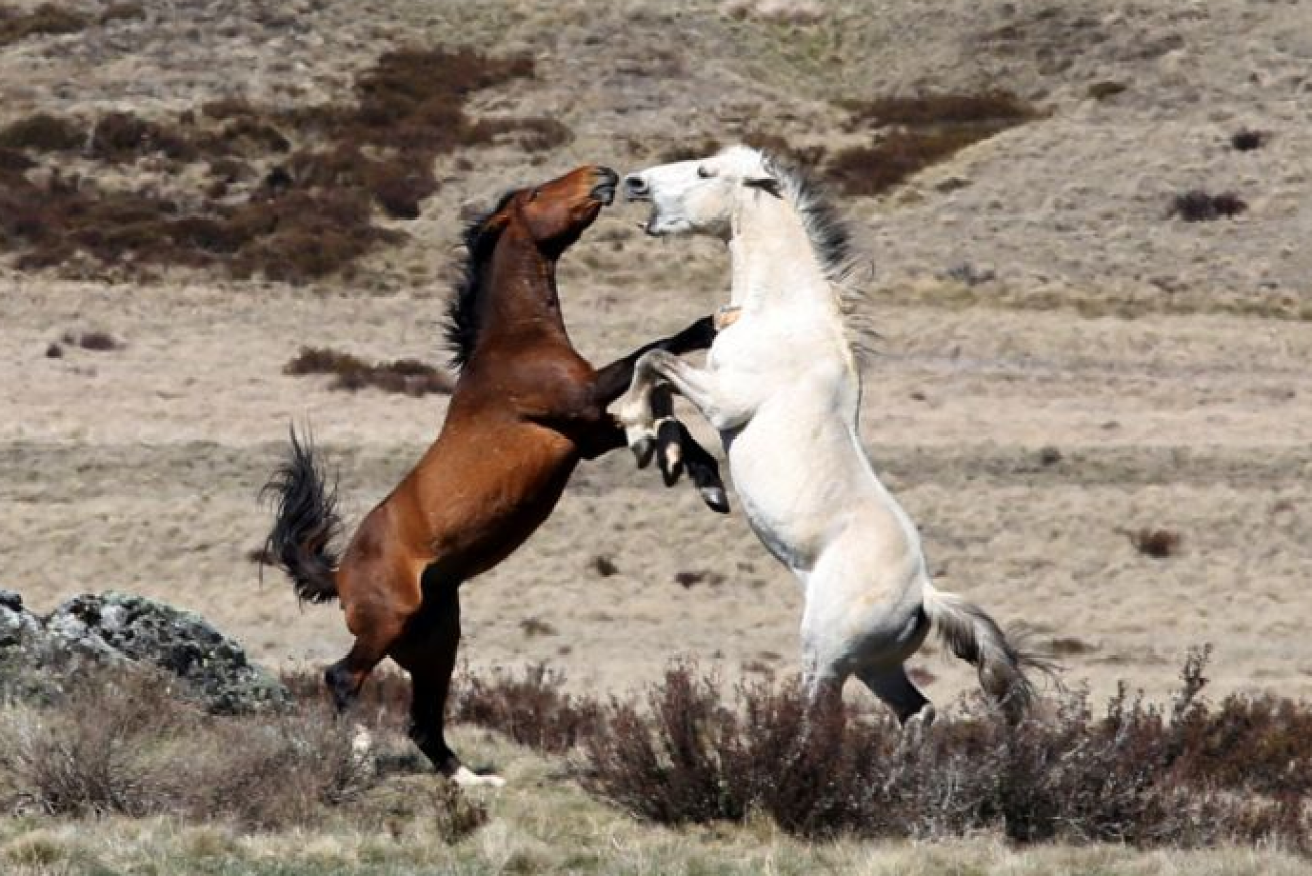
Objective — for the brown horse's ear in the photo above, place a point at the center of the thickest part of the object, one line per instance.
(766, 184)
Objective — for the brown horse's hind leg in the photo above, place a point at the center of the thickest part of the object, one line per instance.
(428, 653)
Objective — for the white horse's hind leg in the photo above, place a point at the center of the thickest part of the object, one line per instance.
(892, 685)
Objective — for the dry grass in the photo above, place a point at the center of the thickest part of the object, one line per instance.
(404, 376)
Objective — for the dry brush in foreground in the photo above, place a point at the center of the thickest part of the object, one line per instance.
(1189, 775)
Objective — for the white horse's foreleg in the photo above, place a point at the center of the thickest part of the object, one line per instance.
(699, 386)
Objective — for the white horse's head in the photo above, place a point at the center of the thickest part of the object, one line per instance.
(698, 197)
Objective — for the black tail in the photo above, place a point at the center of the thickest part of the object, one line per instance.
(306, 525)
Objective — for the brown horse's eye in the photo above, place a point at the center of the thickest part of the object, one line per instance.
(533, 195)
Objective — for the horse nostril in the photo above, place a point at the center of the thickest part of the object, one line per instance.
(635, 185)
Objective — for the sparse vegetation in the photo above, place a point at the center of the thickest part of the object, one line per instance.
(290, 192)
(1197, 205)
(918, 132)
(405, 376)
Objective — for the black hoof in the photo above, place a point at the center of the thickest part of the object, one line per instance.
(643, 450)
(715, 499)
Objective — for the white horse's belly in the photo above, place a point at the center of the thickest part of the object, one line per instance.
(799, 477)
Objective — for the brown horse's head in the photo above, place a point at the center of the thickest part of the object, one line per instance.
(555, 213)
(549, 218)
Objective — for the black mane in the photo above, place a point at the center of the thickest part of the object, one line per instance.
(462, 323)
(824, 225)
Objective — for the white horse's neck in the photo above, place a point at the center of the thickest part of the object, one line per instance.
(774, 263)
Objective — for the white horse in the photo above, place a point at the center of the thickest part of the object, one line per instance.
(782, 388)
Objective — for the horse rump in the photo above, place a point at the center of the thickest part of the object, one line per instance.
(306, 524)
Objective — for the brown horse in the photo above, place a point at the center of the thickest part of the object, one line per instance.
(526, 408)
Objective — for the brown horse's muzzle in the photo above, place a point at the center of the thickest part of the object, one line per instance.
(607, 182)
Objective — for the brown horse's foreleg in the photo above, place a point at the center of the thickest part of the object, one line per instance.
(613, 379)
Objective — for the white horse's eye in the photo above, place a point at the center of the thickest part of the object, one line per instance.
(704, 172)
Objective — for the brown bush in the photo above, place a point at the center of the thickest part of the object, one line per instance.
(1246, 140)
(95, 340)
(919, 132)
(1197, 205)
(44, 19)
(989, 109)
(42, 132)
(406, 376)
(1155, 542)
(533, 708)
(1186, 776)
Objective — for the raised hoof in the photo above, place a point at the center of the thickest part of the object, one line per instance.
(643, 449)
(715, 499)
(467, 778)
(670, 460)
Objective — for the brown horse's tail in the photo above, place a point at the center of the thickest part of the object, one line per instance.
(306, 524)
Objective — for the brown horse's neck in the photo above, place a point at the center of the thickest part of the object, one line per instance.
(518, 299)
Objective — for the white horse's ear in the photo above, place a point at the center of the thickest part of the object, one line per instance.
(766, 184)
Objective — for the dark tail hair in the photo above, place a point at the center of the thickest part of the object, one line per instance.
(306, 524)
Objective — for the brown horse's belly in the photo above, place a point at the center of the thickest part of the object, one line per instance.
(484, 494)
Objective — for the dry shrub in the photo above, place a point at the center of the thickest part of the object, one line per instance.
(91, 756)
(290, 193)
(1197, 205)
(1246, 140)
(44, 19)
(1186, 776)
(121, 741)
(406, 376)
(42, 132)
(533, 708)
(681, 152)
(918, 132)
(1156, 542)
(989, 109)
(1106, 89)
(455, 815)
(95, 340)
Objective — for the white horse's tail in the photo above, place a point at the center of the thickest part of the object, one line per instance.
(972, 635)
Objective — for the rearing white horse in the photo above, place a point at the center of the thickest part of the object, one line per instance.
(782, 388)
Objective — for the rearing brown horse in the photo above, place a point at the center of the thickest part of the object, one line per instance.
(526, 408)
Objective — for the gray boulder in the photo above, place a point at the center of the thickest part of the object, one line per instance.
(117, 629)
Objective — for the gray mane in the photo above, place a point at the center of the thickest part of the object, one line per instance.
(826, 229)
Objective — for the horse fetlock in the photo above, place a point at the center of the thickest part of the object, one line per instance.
(669, 449)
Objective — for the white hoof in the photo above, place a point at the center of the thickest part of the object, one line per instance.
(362, 742)
(467, 778)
